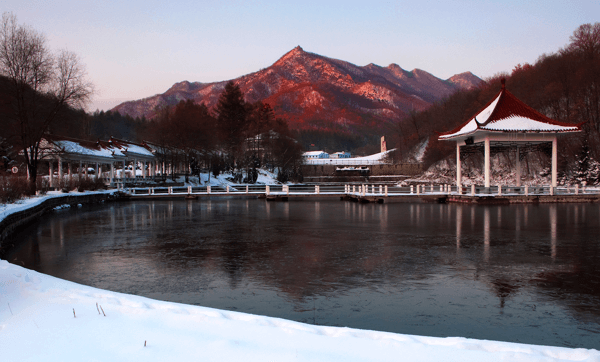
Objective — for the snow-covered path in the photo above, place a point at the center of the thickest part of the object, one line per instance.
(43, 318)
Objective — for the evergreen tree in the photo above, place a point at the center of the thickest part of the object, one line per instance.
(232, 121)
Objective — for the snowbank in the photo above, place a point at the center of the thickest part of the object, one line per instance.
(43, 318)
(27, 203)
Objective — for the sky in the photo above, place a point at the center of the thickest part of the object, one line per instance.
(136, 49)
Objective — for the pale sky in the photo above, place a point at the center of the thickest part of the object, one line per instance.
(136, 49)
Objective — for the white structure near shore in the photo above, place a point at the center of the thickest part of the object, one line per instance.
(114, 160)
(508, 124)
(345, 160)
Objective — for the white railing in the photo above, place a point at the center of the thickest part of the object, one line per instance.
(362, 190)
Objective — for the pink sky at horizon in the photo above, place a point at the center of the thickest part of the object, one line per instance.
(136, 49)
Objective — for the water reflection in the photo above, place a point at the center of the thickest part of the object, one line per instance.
(529, 271)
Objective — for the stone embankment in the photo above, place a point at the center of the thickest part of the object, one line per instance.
(13, 221)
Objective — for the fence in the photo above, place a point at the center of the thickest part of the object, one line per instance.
(363, 189)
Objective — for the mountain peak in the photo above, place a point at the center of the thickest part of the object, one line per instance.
(311, 90)
(466, 80)
(292, 54)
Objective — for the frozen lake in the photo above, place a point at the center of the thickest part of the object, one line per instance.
(527, 273)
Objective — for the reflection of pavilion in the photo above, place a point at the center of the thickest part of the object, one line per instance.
(507, 124)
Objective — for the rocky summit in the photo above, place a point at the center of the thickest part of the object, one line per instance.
(313, 91)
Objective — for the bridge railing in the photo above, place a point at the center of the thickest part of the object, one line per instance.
(364, 189)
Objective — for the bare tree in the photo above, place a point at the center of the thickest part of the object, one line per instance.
(586, 39)
(42, 85)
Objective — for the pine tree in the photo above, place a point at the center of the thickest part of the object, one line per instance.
(232, 121)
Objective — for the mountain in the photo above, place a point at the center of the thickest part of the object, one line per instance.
(315, 92)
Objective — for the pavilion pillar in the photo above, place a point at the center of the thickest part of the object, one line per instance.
(70, 171)
(85, 170)
(97, 171)
(518, 165)
(144, 169)
(112, 172)
(487, 161)
(60, 171)
(458, 166)
(79, 171)
(51, 167)
(554, 160)
(135, 167)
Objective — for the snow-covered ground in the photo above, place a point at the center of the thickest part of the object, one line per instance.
(43, 318)
(29, 202)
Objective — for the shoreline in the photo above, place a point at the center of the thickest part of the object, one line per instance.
(50, 319)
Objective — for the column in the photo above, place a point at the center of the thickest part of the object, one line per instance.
(135, 161)
(97, 171)
(60, 172)
(518, 165)
(70, 171)
(112, 171)
(51, 167)
(487, 161)
(79, 170)
(143, 169)
(458, 166)
(554, 160)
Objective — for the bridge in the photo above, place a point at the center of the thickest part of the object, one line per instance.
(382, 193)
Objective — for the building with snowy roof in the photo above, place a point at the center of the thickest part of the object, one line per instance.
(342, 154)
(315, 154)
(110, 159)
(506, 123)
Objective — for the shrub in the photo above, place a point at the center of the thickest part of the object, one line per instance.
(42, 185)
(12, 188)
(89, 184)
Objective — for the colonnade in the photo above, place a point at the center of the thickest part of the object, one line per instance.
(149, 169)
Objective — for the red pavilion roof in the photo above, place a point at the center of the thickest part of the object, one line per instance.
(506, 113)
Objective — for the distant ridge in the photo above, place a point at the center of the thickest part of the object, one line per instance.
(313, 91)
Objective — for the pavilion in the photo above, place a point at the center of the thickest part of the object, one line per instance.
(79, 155)
(507, 124)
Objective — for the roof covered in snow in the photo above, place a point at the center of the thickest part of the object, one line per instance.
(131, 149)
(71, 148)
(506, 113)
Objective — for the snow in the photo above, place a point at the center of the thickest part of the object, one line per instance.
(483, 116)
(43, 318)
(26, 203)
(519, 123)
(76, 148)
(468, 128)
(138, 150)
(420, 152)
